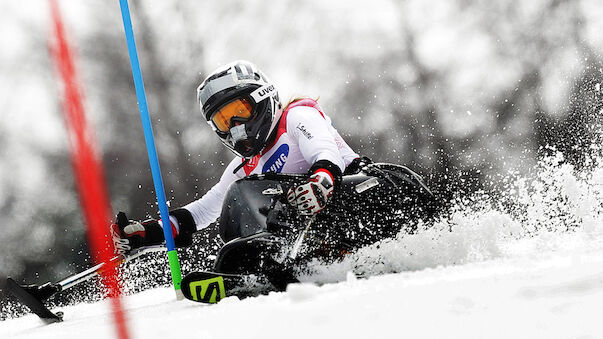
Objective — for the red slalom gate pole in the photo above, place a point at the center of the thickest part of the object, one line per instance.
(86, 165)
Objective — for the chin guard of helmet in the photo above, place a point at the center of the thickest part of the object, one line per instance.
(238, 133)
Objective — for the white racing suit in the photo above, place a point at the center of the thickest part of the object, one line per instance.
(304, 136)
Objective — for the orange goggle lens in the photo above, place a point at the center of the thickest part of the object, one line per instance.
(239, 108)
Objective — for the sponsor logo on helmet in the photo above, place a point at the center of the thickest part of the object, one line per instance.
(277, 161)
(262, 93)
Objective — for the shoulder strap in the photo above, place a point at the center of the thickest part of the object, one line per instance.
(282, 125)
(304, 102)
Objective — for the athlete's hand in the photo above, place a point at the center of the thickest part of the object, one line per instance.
(128, 235)
(311, 197)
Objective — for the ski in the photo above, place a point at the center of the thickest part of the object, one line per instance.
(32, 297)
(211, 287)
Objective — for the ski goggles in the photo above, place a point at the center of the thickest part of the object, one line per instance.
(239, 108)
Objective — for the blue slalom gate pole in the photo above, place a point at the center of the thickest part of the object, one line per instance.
(151, 149)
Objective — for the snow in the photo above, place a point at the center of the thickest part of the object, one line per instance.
(552, 295)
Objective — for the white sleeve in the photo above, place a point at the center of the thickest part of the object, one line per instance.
(207, 209)
(311, 130)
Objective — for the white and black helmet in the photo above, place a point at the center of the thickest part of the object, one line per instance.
(241, 105)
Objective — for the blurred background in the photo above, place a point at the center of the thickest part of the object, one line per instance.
(464, 92)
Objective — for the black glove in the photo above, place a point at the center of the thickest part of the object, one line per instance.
(357, 164)
(131, 234)
(128, 235)
(311, 197)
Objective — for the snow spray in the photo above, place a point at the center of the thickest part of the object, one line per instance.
(556, 208)
(151, 149)
(86, 165)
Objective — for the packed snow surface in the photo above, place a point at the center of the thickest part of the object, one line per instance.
(527, 263)
(560, 296)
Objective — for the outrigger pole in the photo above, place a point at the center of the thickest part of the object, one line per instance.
(33, 296)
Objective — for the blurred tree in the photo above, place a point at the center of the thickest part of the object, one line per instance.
(459, 125)
(170, 84)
